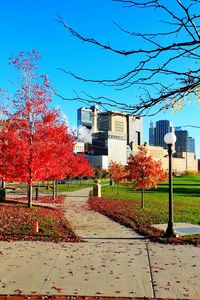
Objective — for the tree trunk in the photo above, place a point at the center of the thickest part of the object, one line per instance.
(142, 202)
(47, 187)
(118, 188)
(37, 193)
(54, 189)
(3, 184)
(30, 193)
(2, 195)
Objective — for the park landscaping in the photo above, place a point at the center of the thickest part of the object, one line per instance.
(17, 221)
(123, 204)
(47, 189)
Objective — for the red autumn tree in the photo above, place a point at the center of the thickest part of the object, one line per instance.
(117, 172)
(39, 145)
(82, 168)
(4, 127)
(58, 147)
(144, 171)
(7, 169)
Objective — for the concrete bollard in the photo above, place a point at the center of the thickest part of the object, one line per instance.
(97, 190)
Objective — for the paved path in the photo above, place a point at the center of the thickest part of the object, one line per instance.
(92, 225)
(114, 261)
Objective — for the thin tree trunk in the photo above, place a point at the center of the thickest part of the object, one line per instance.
(54, 189)
(30, 193)
(37, 193)
(2, 194)
(142, 202)
(3, 184)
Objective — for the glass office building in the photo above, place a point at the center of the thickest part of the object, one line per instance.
(84, 117)
(162, 127)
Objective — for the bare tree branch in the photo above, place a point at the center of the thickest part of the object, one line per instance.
(155, 63)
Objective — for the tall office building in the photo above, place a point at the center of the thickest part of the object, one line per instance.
(134, 130)
(151, 135)
(111, 136)
(156, 135)
(181, 140)
(84, 117)
(87, 117)
(121, 123)
(191, 144)
(184, 143)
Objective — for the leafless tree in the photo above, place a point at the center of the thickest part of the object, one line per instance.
(161, 83)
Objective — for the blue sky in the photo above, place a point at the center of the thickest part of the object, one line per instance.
(27, 24)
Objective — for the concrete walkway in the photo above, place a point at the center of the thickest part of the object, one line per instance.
(114, 261)
(91, 225)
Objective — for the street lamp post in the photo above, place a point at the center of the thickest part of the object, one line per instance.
(170, 140)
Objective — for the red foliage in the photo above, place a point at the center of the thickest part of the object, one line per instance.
(145, 171)
(35, 142)
(41, 199)
(117, 171)
(81, 167)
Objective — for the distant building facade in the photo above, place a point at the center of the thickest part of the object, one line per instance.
(151, 135)
(134, 130)
(157, 133)
(162, 127)
(181, 140)
(181, 163)
(191, 144)
(84, 117)
(184, 143)
(87, 117)
(111, 144)
(116, 131)
(79, 147)
(112, 132)
(116, 135)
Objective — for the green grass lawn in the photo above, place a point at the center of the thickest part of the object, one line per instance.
(65, 187)
(186, 200)
(73, 186)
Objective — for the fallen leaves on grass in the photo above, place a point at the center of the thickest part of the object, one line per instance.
(122, 211)
(17, 223)
(41, 199)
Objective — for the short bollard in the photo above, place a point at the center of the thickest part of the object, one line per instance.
(36, 227)
(97, 190)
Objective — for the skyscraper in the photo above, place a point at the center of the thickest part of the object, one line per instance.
(191, 144)
(184, 143)
(151, 135)
(156, 135)
(181, 140)
(84, 117)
